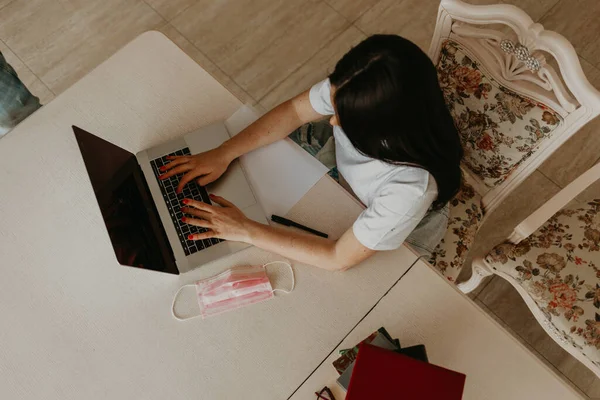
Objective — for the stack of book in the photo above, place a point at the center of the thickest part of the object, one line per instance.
(378, 367)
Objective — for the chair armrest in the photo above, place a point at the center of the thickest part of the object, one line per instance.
(555, 204)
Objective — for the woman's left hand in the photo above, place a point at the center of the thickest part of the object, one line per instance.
(226, 222)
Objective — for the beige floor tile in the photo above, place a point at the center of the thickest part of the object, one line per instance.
(579, 22)
(592, 192)
(504, 301)
(258, 43)
(525, 199)
(412, 19)
(534, 8)
(28, 78)
(486, 281)
(527, 345)
(68, 39)
(44, 31)
(25, 23)
(501, 321)
(41, 91)
(415, 19)
(594, 390)
(169, 9)
(581, 151)
(316, 69)
(4, 3)
(351, 9)
(191, 50)
(574, 157)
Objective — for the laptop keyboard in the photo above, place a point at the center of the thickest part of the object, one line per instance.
(192, 190)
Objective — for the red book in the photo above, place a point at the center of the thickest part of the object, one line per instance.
(384, 374)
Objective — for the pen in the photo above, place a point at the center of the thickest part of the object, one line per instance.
(287, 222)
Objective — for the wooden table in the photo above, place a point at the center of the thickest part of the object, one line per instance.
(76, 325)
(424, 309)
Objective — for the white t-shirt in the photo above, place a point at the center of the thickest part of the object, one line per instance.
(397, 197)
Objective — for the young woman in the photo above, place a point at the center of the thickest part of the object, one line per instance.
(395, 145)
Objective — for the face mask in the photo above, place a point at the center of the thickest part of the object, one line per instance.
(232, 289)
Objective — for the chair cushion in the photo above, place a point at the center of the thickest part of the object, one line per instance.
(499, 128)
(559, 267)
(463, 223)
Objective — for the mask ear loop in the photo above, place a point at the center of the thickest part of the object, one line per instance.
(173, 305)
(291, 270)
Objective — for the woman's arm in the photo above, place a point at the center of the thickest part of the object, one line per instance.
(228, 222)
(334, 255)
(274, 125)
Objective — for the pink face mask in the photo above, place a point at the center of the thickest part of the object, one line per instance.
(235, 288)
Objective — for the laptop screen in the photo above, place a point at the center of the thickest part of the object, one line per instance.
(129, 213)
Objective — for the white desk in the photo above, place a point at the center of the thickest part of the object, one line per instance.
(76, 325)
(424, 309)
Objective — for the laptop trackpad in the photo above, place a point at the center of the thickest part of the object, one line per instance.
(234, 187)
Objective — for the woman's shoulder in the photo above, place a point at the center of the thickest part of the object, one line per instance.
(407, 189)
(409, 178)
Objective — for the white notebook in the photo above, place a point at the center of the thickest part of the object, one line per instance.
(280, 173)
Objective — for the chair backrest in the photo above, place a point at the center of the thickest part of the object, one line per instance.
(511, 107)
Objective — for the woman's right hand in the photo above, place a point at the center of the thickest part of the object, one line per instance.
(207, 167)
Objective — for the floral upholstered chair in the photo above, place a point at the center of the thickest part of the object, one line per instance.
(511, 108)
(553, 260)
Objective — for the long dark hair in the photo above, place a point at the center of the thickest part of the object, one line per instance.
(390, 105)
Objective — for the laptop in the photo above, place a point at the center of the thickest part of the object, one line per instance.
(142, 213)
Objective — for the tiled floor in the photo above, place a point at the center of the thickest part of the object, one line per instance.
(265, 51)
